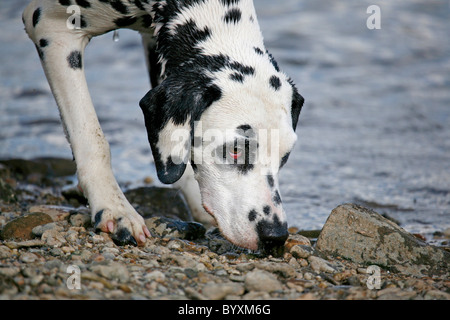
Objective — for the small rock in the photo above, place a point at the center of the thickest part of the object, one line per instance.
(53, 238)
(25, 244)
(28, 257)
(21, 228)
(9, 271)
(296, 239)
(112, 271)
(320, 265)
(80, 219)
(301, 251)
(156, 275)
(219, 291)
(57, 213)
(5, 252)
(39, 230)
(437, 295)
(279, 268)
(260, 280)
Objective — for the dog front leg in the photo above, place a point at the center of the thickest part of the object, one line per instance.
(61, 51)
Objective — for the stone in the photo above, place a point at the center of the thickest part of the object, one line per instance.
(157, 201)
(321, 265)
(39, 230)
(260, 280)
(5, 252)
(28, 257)
(53, 238)
(364, 236)
(80, 219)
(167, 227)
(156, 275)
(301, 251)
(57, 213)
(21, 228)
(279, 268)
(112, 271)
(219, 291)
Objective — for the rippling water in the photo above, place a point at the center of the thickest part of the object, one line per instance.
(375, 128)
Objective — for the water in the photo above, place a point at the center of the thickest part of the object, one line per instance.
(374, 130)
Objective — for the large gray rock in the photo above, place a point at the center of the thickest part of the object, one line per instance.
(163, 202)
(364, 236)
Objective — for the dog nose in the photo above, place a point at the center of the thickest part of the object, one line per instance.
(272, 237)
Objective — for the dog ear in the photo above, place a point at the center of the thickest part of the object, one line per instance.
(170, 110)
(296, 107)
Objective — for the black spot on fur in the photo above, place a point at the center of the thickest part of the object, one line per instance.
(258, 51)
(270, 181)
(267, 210)
(233, 16)
(246, 70)
(249, 158)
(64, 2)
(273, 61)
(117, 5)
(252, 215)
(284, 159)
(139, 4)
(36, 16)
(98, 218)
(74, 59)
(246, 130)
(125, 21)
(276, 198)
(275, 82)
(230, 2)
(244, 127)
(237, 77)
(83, 3)
(43, 43)
(83, 23)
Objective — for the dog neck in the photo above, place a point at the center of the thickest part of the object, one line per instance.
(209, 33)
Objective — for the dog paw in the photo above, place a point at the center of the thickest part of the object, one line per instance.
(125, 228)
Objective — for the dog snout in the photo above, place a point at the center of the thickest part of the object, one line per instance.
(272, 236)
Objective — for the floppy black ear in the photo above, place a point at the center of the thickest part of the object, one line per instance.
(170, 111)
(296, 107)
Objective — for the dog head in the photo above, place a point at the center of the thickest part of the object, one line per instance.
(236, 135)
(225, 107)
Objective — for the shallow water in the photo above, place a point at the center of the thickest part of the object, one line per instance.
(374, 129)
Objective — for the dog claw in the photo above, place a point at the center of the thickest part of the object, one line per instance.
(120, 229)
(110, 226)
(123, 237)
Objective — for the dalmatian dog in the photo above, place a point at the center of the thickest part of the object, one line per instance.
(220, 117)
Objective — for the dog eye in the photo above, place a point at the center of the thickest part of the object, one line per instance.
(235, 152)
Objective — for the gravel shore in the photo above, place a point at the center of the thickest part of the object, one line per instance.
(49, 250)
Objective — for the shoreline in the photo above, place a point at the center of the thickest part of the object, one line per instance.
(62, 251)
